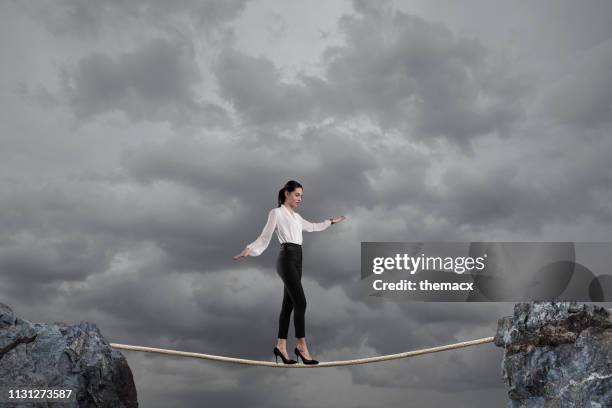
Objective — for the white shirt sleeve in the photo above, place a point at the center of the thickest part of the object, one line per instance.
(314, 226)
(261, 243)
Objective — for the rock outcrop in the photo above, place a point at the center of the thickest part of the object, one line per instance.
(557, 354)
(64, 356)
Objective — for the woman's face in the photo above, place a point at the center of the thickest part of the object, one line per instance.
(294, 198)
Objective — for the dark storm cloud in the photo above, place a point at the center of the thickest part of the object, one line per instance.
(156, 82)
(39, 94)
(399, 70)
(48, 259)
(584, 97)
(564, 29)
(89, 17)
(529, 190)
(253, 86)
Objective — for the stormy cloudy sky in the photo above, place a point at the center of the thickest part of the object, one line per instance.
(143, 144)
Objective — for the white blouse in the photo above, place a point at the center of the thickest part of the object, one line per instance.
(288, 228)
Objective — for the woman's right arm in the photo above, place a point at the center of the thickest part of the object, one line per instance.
(261, 243)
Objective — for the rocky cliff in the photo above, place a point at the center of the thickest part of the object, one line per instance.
(557, 354)
(63, 356)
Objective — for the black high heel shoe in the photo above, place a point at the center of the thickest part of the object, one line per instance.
(299, 354)
(277, 353)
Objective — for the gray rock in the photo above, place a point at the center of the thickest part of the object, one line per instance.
(557, 354)
(64, 356)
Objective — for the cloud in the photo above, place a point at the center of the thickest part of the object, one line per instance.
(253, 86)
(583, 97)
(400, 71)
(157, 82)
(417, 76)
(88, 18)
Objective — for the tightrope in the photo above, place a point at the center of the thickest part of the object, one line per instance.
(320, 365)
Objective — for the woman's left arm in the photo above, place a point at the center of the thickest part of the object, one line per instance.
(314, 226)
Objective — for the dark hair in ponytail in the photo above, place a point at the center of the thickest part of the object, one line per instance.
(290, 186)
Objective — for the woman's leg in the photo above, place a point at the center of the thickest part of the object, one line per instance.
(285, 315)
(286, 309)
(301, 344)
(290, 271)
(300, 323)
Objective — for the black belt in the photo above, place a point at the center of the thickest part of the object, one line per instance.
(290, 244)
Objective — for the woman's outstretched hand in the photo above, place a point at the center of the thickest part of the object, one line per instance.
(245, 252)
(336, 220)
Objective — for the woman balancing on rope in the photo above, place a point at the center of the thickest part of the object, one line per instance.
(289, 225)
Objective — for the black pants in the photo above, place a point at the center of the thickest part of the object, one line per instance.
(289, 268)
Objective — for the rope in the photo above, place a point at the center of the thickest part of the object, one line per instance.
(320, 365)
